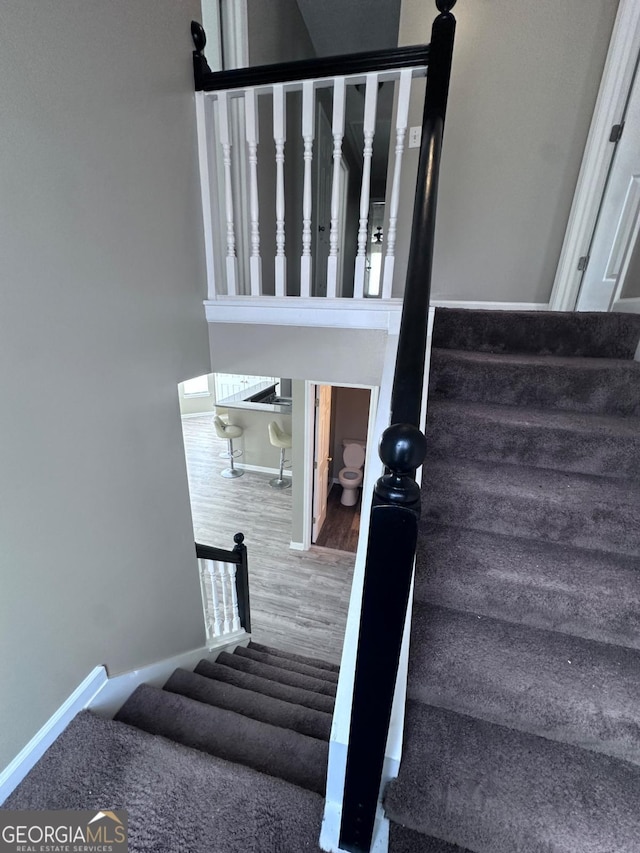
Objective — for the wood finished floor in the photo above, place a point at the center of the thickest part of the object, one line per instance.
(342, 525)
(299, 599)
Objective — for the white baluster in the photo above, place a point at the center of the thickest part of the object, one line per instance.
(337, 129)
(308, 106)
(279, 137)
(205, 189)
(252, 133)
(402, 113)
(215, 614)
(235, 612)
(223, 605)
(370, 104)
(225, 141)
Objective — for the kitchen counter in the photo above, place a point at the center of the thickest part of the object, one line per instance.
(252, 398)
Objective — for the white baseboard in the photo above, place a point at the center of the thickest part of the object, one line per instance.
(297, 546)
(262, 469)
(199, 414)
(114, 693)
(631, 305)
(81, 698)
(490, 306)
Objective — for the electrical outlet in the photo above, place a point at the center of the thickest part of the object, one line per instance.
(415, 136)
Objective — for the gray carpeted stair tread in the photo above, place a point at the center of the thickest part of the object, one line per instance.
(604, 386)
(567, 441)
(404, 840)
(496, 790)
(296, 695)
(276, 673)
(592, 334)
(286, 663)
(591, 594)
(317, 662)
(269, 749)
(255, 705)
(575, 509)
(177, 799)
(560, 687)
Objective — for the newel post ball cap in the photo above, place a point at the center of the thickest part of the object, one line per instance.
(238, 538)
(198, 36)
(445, 5)
(402, 448)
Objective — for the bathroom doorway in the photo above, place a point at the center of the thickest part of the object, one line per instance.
(341, 424)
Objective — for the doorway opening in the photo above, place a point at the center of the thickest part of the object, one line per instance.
(341, 426)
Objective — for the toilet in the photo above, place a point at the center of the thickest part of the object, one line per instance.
(350, 476)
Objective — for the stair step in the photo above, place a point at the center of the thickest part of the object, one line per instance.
(269, 749)
(287, 663)
(404, 840)
(566, 441)
(595, 335)
(602, 386)
(177, 798)
(276, 673)
(295, 695)
(255, 705)
(317, 662)
(591, 594)
(553, 685)
(497, 790)
(576, 509)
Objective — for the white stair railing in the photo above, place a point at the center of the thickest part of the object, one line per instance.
(225, 592)
(271, 185)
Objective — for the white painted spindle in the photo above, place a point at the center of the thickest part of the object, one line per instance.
(235, 613)
(205, 188)
(308, 111)
(214, 608)
(252, 134)
(370, 104)
(279, 137)
(402, 113)
(337, 129)
(225, 141)
(224, 588)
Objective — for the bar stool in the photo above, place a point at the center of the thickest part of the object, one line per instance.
(228, 432)
(279, 438)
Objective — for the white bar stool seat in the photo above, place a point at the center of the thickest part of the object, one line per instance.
(228, 432)
(279, 438)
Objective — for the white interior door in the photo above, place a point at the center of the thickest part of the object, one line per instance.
(609, 283)
(321, 458)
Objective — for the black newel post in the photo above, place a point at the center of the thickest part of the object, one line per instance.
(200, 64)
(242, 582)
(395, 511)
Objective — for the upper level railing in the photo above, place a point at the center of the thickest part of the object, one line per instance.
(293, 164)
(395, 510)
(224, 581)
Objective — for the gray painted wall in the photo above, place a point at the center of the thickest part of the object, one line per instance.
(102, 279)
(525, 79)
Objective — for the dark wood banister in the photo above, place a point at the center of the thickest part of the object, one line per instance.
(238, 556)
(393, 531)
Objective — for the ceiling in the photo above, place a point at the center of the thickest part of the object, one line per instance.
(351, 26)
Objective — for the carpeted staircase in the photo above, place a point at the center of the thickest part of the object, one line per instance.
(523, 715)
(230, 758)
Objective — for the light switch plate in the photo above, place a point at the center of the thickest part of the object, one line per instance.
(415, 136)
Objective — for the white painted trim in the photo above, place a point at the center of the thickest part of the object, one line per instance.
(116, 690)
(235, 33)
(297, 546)
(298, 311)
(307, 463)
(262, 469)
(490, 306)
(630, 305)
(81, 698)
(198, 415)
(616, 83)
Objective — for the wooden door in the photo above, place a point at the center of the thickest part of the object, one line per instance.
(321, 458)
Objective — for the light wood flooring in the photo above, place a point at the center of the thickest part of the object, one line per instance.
(342, 524)
(299, 599)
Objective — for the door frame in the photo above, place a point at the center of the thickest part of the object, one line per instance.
(617, 78)
(309, 445)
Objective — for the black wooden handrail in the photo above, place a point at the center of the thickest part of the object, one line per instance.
(393, 531)
(302, 69)
(237, 556)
